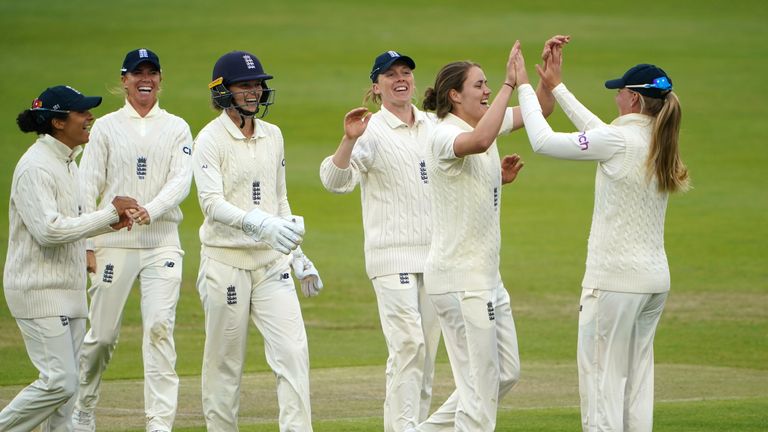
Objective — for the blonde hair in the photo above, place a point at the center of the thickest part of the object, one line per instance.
(664, 162)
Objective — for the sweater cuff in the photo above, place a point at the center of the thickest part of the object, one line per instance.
(335, 179)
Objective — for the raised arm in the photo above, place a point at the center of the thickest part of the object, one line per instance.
(340, 173)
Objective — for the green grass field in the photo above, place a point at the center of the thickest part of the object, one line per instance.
(712, 343)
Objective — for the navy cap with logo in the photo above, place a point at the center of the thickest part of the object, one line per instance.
(239, 66)
(386, 60)
(646, 79)
(63, 99)
(138, 56)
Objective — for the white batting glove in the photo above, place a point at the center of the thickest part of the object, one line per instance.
(306, 273)
(282, 235)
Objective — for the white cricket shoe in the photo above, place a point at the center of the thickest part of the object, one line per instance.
(83, 421)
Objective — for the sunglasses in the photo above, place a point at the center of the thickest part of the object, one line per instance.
(661, 83)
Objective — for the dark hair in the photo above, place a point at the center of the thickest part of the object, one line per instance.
(38, 121)
(450, 77)
(664, 160)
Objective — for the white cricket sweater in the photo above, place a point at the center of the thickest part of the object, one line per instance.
(235, 174)
(625, 252)
(147, 158)
(466, 198)
(389, 163)
(45, 272)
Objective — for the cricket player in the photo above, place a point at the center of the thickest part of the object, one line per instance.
(462, 269)
(627, 280)
(250, 241)
(44, 279)
(143, 151)
(385, 153)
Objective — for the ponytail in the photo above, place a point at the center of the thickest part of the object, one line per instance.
(664, 162)
(38, 121)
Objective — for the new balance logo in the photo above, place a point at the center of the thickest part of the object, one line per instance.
(491, 312)
(423, 172)
(231, 295)
(109, 272)
(249, 62)
(256, 192)
(285, 276)
(404, 279)
(64, 321)
(169, 264)
(141, 167)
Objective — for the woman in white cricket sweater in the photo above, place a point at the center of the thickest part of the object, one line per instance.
(386, 154)
(247, 238)
(44, 279)
(626, 282)
(462, 269)
(143, 151)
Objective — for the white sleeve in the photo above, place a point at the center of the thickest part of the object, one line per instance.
(93, 170)
(179, 176)
(508, 123)
(344, 180)
(441, 144)
(598, 144)
(210, 186)
(35, 197)
(579, 115)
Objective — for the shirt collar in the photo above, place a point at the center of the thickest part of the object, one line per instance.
(133, 114)
(457, 121)
(633, 119)
(235, 132)
(394, 121)
(61, 150)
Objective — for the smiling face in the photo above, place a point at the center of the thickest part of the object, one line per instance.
(246, 94)
(141, 86)
(395, 85)
(74, 130)
(471, 103)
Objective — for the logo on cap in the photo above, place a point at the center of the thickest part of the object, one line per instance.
(143, 53)
(249, 62)
(393, 54)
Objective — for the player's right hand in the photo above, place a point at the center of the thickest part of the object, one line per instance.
(355, 122)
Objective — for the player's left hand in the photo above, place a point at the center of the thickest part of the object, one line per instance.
(510, 166)
(307, 274)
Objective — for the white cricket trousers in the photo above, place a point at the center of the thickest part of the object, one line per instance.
(615, 358)
(159, 274)
(412, 334)
(230, 296)
(481, 340)
(53, 345)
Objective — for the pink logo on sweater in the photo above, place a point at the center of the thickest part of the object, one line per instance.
(583, 141)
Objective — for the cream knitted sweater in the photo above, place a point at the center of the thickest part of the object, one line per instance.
(148, 158)
(626, 241)
(234, 174)
(44, 272)
(389, 163)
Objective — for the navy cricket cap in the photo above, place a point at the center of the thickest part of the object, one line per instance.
(138, 56)
(385, 61)
(646, 79)
(64, 99)
(238, 66)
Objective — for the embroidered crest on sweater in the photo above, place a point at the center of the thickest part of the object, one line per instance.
(491, 312)
(404, 279)
(423, 172)
(141, 167)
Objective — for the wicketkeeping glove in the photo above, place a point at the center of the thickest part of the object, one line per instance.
(307, 274)
(282, 235)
